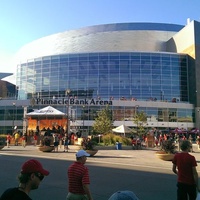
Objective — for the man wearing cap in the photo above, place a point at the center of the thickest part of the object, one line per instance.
(32, 173)
(78, 178)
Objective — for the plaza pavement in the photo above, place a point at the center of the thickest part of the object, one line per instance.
(126, 157)
(142, 163)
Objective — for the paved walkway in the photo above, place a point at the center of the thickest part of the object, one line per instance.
(144, 162)
(126, 156)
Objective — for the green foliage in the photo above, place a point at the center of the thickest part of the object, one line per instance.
(140, 119)
(2, 139)
(3, 135)
(95, 139)
(108, 139)
(126, 141)
(117, 138)
(88, 144)
(103, 123)
(168, 146)
(111, 139)
(46, 141)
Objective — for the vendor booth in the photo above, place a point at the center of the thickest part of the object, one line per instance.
(45, 118)
(122, 129)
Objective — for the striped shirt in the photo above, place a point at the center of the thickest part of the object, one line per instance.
(77, 176)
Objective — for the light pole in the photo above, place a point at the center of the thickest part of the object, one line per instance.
(136, 116)
(67, 92)
(13, 122)
(25, 121)
(198, 118)
(83, 119)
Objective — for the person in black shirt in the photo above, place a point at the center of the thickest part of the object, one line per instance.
(32, 173)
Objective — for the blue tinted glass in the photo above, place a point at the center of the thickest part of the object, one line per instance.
(114, 56)
(93, 56)
(165, 57)
(145, 57)
(38, 62)
(135, 56)
(103, 56)
(47, 60)
(63, 58)
(124, 56)
(55, 59)
(73, 59)
(83, 57)
(142, 75)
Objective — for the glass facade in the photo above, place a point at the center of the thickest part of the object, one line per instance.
(125, 78)
(13, 115)
(118, 75)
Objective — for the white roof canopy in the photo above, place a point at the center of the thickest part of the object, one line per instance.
(122, 129)
(50, 111)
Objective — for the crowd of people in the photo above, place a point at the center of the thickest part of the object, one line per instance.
(20, 139)
(47, 136)
(155, 138)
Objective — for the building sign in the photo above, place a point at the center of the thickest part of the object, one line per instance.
(72, 101)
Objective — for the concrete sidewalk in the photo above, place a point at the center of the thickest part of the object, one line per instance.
(127, 157)
(110, 170)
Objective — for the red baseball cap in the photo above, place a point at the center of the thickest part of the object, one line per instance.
(32, 166)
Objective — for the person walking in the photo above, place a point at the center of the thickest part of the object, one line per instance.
(184, 165)
(8, 140)
(24, 138)
(66, 142)
(17, 136)
(32, 173)
(78, 178)
(198, 141)
(35, 139)
(55, 142)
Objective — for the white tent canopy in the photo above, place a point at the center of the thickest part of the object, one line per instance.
(50, 111)
(122, 129)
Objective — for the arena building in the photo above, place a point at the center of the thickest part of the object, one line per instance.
(132, 67)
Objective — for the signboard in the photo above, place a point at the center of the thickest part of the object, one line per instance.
(72, 101)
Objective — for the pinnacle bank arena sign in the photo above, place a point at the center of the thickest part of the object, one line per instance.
(72, 101)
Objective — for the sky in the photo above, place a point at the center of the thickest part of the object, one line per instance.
(23, 21)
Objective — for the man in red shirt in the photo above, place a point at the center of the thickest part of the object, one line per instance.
(184, 165)
(78, 178)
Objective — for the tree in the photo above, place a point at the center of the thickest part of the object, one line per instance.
(103, 122)
(140, 120)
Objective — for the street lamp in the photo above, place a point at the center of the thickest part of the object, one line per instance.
(136, 116)
(67, 92)
(13, 122)
(83, 119)
(25, 121)
(198, 118)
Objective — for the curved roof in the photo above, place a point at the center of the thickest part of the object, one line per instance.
(4, 75)
(101, 38)
(132, 26)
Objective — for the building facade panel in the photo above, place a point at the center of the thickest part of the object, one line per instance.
(110, 37)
